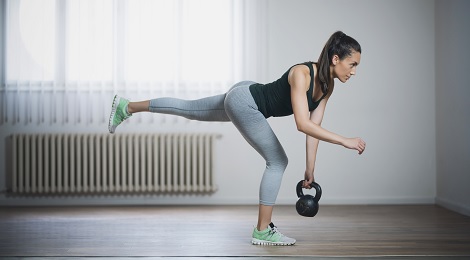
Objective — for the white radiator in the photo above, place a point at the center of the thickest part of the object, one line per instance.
(106, 163)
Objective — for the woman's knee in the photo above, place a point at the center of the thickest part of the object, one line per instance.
(280, 163)
(285, 161)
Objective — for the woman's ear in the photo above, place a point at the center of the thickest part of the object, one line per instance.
(335, 59)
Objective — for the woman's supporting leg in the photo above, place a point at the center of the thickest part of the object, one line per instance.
(244, 114)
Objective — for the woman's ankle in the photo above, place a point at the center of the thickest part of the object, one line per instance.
(141, 106)
(264, 217)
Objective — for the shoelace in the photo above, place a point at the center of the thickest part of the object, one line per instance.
(274, 231)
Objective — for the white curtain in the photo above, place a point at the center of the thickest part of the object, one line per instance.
(64, 59)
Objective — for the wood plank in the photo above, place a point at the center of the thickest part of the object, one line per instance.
(198, 231)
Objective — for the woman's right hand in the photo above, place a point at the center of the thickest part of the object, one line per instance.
(308, 180)
(355, 143)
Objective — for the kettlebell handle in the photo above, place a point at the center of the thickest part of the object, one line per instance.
(315, 185)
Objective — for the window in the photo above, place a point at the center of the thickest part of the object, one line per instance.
(93, 40)
(181, 47)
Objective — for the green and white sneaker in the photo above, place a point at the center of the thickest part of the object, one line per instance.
(118, 113)
(271, 237)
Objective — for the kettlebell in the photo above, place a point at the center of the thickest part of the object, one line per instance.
(307, 205)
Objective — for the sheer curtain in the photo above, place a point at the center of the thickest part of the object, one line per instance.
(64, 59)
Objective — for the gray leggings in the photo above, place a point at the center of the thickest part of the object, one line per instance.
(239, 107)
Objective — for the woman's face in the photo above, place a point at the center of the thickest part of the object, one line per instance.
(346, 68)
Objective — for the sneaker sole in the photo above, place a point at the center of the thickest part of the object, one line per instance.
(113, 112)
(255, 241)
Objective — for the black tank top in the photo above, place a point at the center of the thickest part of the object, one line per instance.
(274, 99)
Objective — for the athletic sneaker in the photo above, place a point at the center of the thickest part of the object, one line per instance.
(271, 237)
(118, 113)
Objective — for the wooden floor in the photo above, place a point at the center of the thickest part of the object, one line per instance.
(366, 232)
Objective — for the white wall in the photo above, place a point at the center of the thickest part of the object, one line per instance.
(390, 103)
(453, 104)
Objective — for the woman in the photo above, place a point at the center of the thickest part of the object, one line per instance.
(303, 91)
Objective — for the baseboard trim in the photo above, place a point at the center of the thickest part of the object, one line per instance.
(457, 207)
(192, 200)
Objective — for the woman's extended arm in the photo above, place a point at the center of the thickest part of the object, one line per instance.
(311, 144)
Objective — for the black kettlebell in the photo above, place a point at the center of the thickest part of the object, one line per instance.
(307, 205)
